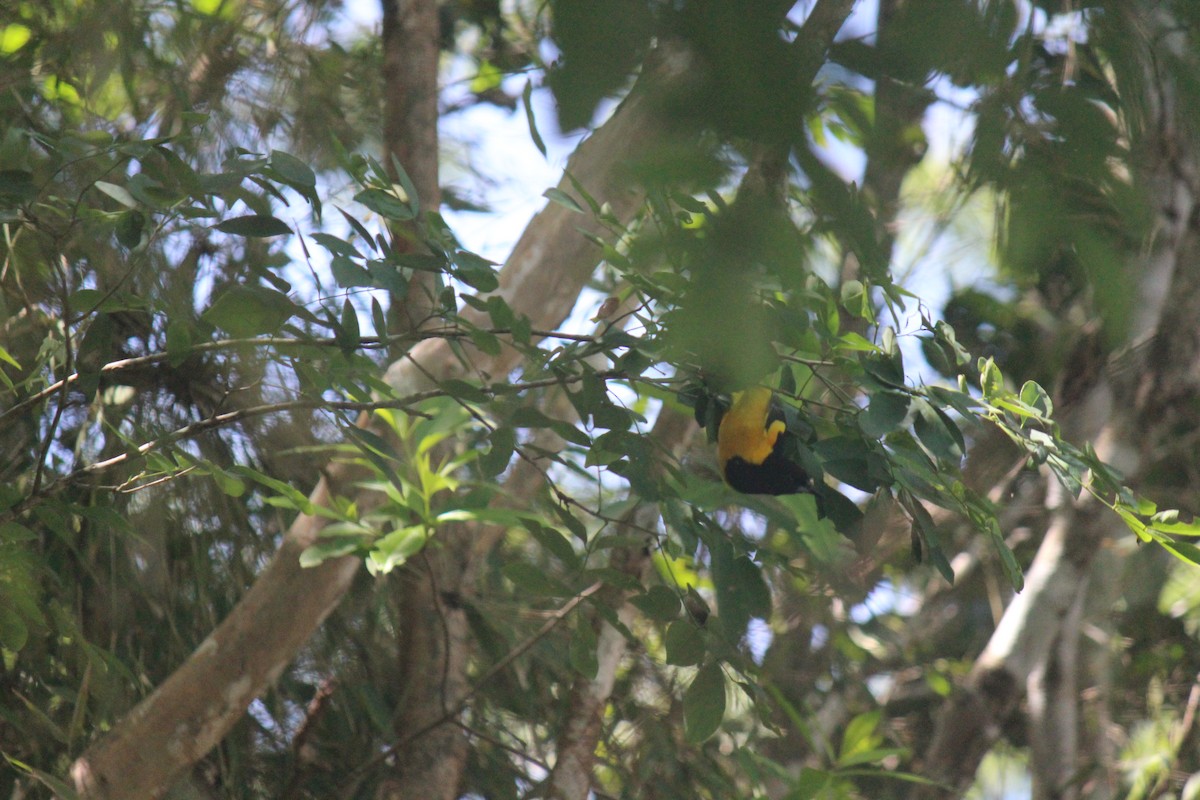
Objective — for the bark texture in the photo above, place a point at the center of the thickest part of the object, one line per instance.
(410, 34)
(410, 77)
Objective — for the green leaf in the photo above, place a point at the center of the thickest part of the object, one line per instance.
(358, 228)
(394, 549)
(855, 298)
(326, 549)
(849, 460)
(990, 379)
(59, 788)
(1163, 522)
(526, 96)
(336, 246)
(410, 191)
(1012, 569)
(254, 226)
(476, 271)
(227, 483)
(582, 650)
(500, 311)
(925, 533)
(487, 78)
(861, 735)
(883, 414)
(754, 594)
(14, 633)
(13, 37)
(886, 368)
(150, 192)
(13, 532)
(935, 433)
(659, 603)
(349, 337)
(610, 416)
(179, 342)
(464, 391)
(385, 204)
(577, 528)
(494, 461)
(487, 342)
(348, 274)
(129, 228)
(7, 358)
(1138, 527)
(529, 578)
(555, 542)
(704, 704)
(1184, 551)
(1034, 396)
(563, 199)
(118, 193)
(592, 203)
(246, 311)
(292, 170)
(378, 318)
(963, 403)
(810, 784)
(370, 442)
(295, 498)
(684, 643)
(944, 335)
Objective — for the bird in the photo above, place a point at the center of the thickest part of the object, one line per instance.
(752, 439)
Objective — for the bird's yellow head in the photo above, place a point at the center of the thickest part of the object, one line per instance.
(744, 431)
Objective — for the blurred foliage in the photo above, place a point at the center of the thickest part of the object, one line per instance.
(192, 227)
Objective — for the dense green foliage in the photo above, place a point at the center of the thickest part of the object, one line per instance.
(196, 267)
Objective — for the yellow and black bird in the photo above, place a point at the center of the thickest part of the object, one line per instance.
(751, 440)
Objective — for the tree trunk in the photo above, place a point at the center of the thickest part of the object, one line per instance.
(410, 34)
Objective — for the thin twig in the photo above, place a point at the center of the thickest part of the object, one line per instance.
(366, 343)
(219, 420)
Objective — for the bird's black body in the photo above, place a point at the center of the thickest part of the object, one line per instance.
(750, 442)
(775, 475)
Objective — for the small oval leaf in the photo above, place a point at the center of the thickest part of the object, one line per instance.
(684, 643)
(254, 225)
